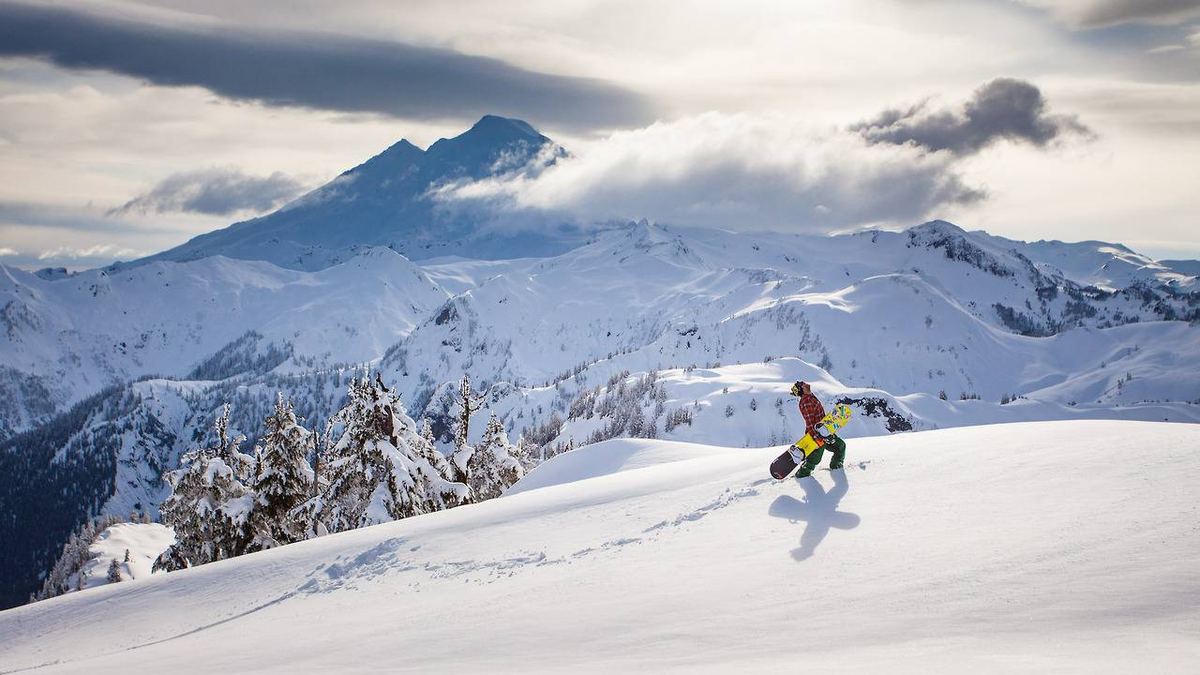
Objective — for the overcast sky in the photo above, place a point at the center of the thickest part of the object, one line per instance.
(127, 127)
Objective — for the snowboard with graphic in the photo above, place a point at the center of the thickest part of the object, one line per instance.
(786, 463)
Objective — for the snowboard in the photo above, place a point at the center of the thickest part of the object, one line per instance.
(831, 422)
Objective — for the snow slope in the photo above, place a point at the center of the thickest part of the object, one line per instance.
(982, 549)
(144, 542)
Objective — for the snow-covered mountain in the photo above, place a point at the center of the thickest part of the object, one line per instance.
(386, 201)
(67, 338)
(107, 376)
(982, 549)
(931, 309)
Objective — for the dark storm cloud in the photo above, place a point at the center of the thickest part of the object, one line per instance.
(1110, 12)
(1003, 109)
(216, 192)
(314, 70)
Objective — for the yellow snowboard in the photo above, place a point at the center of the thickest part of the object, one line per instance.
(832, 421)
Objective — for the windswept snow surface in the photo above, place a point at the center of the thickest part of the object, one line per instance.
(1034, 547)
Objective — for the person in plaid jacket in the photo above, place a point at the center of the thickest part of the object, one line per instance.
(813, 412)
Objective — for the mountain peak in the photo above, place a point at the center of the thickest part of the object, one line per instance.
(491, 133)
(402, 146)
(385, 202)
(937, 227)
(392, 160)
(495, 123)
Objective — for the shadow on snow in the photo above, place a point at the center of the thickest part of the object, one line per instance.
(818, 511)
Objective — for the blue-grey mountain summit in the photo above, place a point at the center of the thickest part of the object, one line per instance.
(387, 201)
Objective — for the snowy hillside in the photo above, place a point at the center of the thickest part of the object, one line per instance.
(928, 310)
(67, 338)
(117, 553)
(985, 549)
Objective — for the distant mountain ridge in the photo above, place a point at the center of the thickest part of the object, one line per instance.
(385, 202)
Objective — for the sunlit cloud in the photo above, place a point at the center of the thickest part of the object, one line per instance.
(739, 172)
(99, 251)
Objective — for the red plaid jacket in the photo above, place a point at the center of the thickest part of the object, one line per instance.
(812, 411)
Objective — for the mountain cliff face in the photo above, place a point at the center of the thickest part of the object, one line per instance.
(386, 201)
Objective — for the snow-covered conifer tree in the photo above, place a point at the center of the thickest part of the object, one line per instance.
(427, 432)
(209, 502)
(283, 481)
(114, 572)
(380, 468)
(435, 473)
(67, 573)
(529, 454)
(468, 403)
(306, 514)
(493, 466)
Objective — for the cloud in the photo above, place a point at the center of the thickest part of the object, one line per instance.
(738, 172)
(72, 220)
(1165, 49)
(71, 257)
(314, 70)
(1003, 109)
(216, 191)
(101, 251)
(1100, 13)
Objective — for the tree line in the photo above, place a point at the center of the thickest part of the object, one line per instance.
(369, 463)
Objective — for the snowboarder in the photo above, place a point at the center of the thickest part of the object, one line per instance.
(812, 411)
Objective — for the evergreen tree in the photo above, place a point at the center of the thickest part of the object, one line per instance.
(435, 473)
(114, 572)
(284, 479)
(529, 453)
(209, 502)
(381, 469)
(307, 513)
(427, 432)
(493, 466)
(67, 573)
(468, 403)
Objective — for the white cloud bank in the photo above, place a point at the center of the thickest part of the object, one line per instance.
(733, 171)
